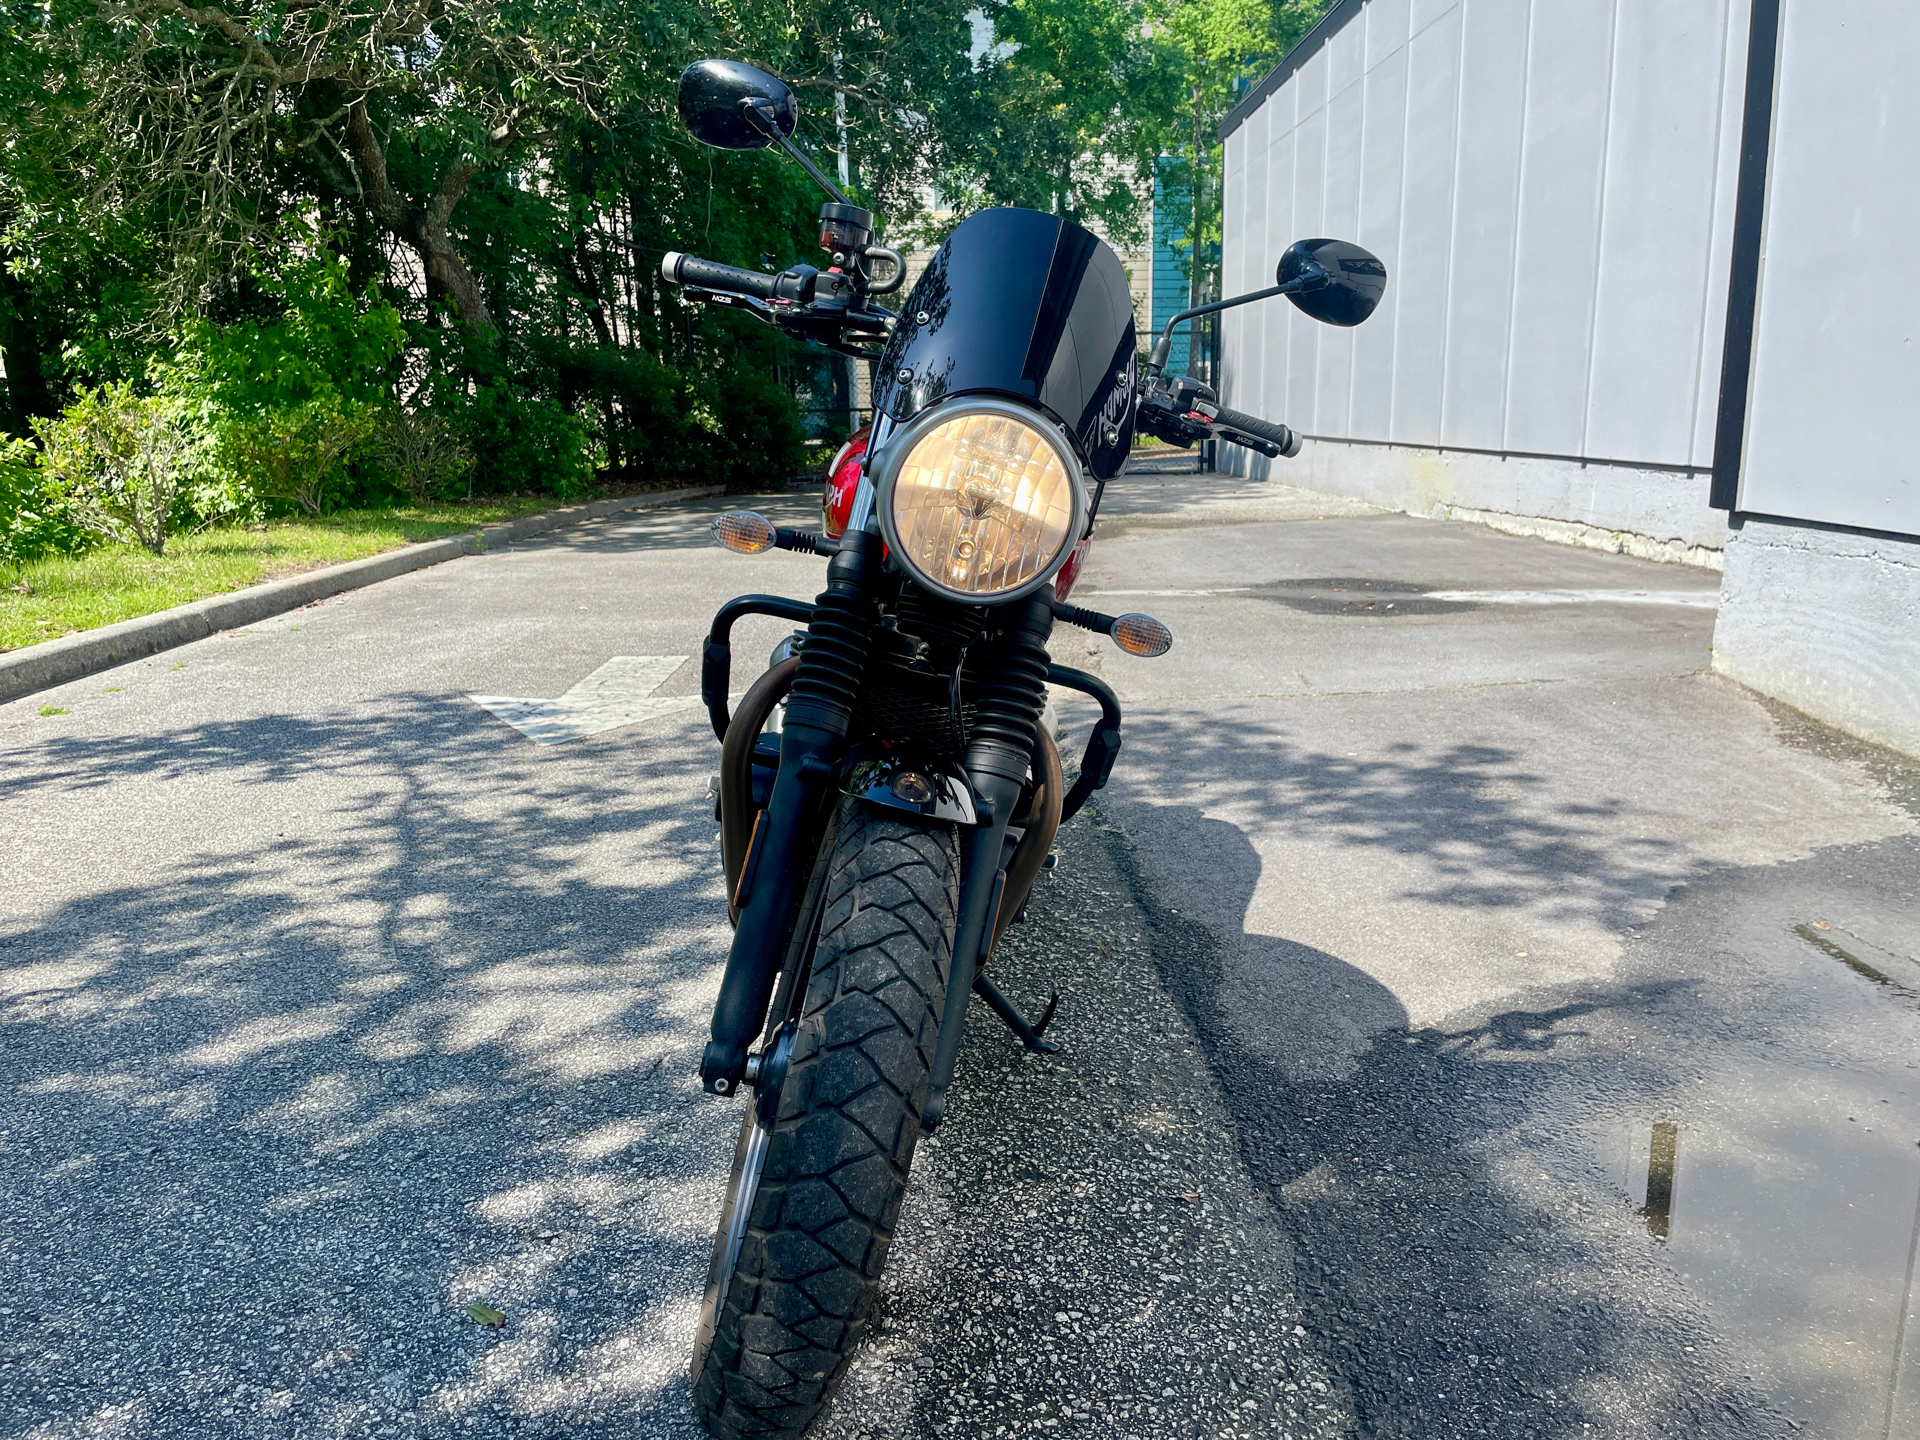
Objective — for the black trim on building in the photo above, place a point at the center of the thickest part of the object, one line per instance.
(1738, 520)
(1309, 46)
(1581, 460)
(1743, 279)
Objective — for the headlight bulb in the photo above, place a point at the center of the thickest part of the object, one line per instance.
(984, 502)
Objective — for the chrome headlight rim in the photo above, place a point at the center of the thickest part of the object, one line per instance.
(900, 444)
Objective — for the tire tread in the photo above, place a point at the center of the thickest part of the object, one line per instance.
(843, 1141)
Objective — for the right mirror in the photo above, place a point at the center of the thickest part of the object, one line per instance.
(713, 98)
(1344, 282)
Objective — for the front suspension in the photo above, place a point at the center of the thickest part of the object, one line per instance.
(819, 717)
(1010, 691)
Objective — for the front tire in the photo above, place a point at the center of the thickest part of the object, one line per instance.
(807, 1260)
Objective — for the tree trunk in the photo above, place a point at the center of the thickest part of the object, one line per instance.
(425, 230)
(579, 268)
(25, 393)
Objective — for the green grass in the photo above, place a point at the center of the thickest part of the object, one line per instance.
(59, 596)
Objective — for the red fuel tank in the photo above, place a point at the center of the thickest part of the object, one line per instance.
(1070, 572)
(843, 481)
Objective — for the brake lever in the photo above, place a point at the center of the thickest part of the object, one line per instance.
(752, 304)
(1251, 442)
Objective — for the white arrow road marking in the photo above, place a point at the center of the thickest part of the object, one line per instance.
(619, 693)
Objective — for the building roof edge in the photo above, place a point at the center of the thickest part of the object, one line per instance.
(1330, 24)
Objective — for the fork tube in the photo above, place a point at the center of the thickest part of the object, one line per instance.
(819, 716)
(1009, 694)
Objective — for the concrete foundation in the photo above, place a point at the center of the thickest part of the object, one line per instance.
(1828, 621)
(1622, 509)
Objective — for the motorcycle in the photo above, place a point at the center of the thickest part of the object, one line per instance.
(889, 789)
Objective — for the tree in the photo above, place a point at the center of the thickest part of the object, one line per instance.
(1063, 112)
(1224, 45)
(393, 107)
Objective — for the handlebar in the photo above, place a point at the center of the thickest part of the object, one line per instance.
(1285, 441)
(679, 269)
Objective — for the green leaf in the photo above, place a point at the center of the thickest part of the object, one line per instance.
(486, 1315)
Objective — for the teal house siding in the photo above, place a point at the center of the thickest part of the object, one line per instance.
(1172, 212)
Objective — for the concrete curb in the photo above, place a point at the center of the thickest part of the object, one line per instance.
(74, 657)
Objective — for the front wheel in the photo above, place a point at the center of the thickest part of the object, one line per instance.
(817, 1185)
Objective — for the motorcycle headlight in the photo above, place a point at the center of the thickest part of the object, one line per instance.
(980, 499)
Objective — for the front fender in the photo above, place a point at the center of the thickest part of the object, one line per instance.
(902, 781)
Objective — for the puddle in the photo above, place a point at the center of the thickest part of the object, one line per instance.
(1662, 1156)
(1356, 595)
(1862, 956)
(1801, 1237)
(1389, 599)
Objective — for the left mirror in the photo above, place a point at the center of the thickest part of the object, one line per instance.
(715, 96)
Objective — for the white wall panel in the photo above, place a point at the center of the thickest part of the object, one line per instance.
(1569, 85)
(1260, 205)
(1426, 232)
(1382, 179)
(1550, 183)
(1713, 317)
(1269, 320)
(1493, 96)
(1340, 215)
(1309, 218)
(1663, 162)
(1836, 358)
(1239, 352)
(1386, 27)
(1347, 57)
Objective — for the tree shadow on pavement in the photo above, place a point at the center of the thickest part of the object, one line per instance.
(278, 1115)
(1457, 1289)
(679, 527)
(1484, 822)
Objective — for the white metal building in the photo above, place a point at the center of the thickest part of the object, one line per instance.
(1651, 289)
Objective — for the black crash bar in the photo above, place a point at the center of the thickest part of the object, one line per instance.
(716, 666)
(1103, 745)
(716, 653)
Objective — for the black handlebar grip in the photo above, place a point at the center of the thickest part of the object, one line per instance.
(678, 269)
(1279, 435)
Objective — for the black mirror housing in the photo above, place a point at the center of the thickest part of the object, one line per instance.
(719, 100)
(1342, 282)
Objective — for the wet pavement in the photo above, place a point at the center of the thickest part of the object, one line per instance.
(1563, 995)
(1478, 1019)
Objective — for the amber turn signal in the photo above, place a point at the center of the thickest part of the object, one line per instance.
(746, 532)
(1142, 635)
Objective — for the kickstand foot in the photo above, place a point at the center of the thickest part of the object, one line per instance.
(1029, 1034)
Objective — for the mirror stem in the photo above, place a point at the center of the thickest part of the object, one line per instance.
(773, 132)
(1158, 360)
(1313, 280)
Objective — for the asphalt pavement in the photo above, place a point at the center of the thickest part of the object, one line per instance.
(1478, 1019)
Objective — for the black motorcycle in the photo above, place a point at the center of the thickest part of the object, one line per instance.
(889, 790)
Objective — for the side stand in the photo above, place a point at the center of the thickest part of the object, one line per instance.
(1014, 1020)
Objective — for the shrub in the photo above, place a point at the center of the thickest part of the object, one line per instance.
(762, 441)
(289, 397)
(32, 521)
(421, 452)
(119, 462)
(324, 340)
(520, 442)
(294, 452)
